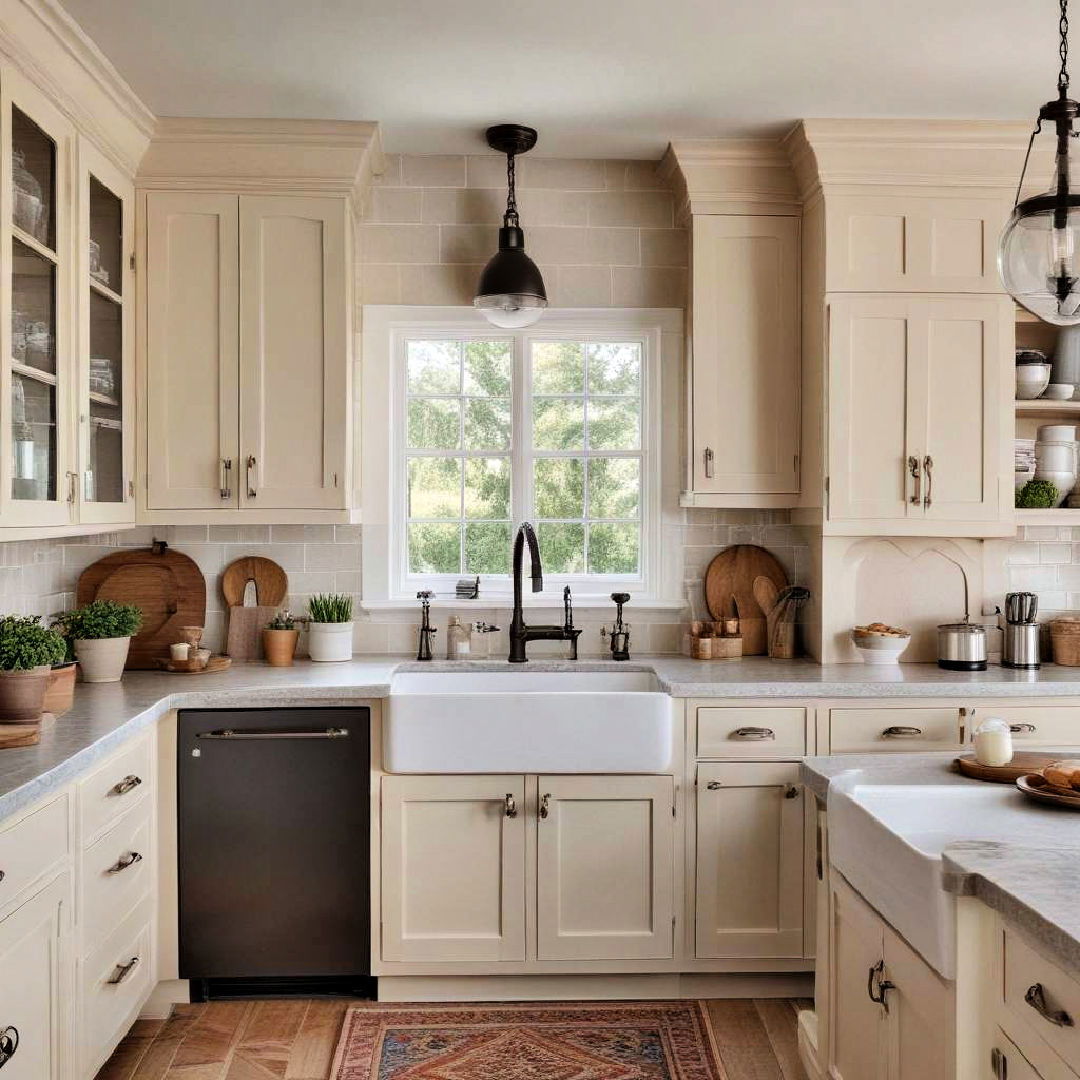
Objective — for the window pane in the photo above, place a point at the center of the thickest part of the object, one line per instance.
(558, 367)
(614, 487)
(434, 424)
(558, 423)
(487, 368)
(434, 367)
(487, 548)
(614, 549)
(559, 488)
(434, 487)
(434, 548)
(614, 369)
(487, 424)
(487, 488)
(614, 424)
(562, 545)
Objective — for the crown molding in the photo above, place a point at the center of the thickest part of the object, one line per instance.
(50, 48)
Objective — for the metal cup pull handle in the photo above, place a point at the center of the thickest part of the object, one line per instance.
(1036, 998)
(713, 785)
(1020, 729)
(510, 805)
(129, 783)
(902, 732)
(123, 972)
(753, 733)
(129, 860)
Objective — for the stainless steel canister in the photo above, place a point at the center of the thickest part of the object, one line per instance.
(962, 646)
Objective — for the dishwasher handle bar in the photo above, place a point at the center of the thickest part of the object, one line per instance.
(257, 733)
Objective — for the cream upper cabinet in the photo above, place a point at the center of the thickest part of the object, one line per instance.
(453, 868)
(248, 328)
(605, 869)
(35, 985)
(192, 350)
(294, 325)
(908, 243)
(750, 859)
(745, 368)
(917, 414)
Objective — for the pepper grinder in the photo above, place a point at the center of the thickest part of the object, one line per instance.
(427, 631)
(620, 632)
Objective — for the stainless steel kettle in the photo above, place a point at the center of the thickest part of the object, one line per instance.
(962, 646)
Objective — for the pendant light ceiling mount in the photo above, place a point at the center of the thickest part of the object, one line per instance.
(1039, 257)
(511, 291)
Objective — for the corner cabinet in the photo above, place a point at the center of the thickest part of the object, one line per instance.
(918, 411)
(744, 378)
(248, 356)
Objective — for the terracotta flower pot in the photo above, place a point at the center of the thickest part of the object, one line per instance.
(60, 692)
(102, 659)
(22, 695)
(280, 646)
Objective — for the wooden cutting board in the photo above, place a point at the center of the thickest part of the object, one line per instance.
(246, 624)
(166, 586)
(15, 735)
(729, 591)
(271, 582)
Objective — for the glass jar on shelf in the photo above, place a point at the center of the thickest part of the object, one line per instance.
(29, 211)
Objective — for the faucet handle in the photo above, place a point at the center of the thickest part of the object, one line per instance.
(425, 595)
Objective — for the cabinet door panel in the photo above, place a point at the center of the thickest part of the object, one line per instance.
(605, 872)
(870, 368)
(294, 329)
(749, 860)
(453, 873)
(745, 348)
(35, 988)
(192, 297)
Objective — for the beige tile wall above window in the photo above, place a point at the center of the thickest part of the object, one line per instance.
(602, 232)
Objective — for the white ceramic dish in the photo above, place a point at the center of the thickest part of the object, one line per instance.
(1031, 380)
(1057, 433)
(1055, 457)
(1059, 391)
(879, 648)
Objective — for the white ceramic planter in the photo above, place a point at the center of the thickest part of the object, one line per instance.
(102, 659)
(330, 640)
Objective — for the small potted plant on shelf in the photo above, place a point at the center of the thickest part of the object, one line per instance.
(331, 627)
(280, 638)
(60, 693)
(27, 652)
(101, 634)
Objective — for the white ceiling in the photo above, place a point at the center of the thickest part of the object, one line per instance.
(598, 78)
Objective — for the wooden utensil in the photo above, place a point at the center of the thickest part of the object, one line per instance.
(165, 585)
(271, 582)
(1023, 762)
(729, 591)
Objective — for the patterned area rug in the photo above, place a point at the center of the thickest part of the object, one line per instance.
(632, 1040)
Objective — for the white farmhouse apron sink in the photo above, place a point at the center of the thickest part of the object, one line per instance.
(527, 722)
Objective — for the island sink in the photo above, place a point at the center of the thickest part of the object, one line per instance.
(527, 722)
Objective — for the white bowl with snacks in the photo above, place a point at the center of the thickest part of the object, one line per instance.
(879, 643)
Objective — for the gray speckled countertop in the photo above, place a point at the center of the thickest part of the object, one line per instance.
(1032, 884)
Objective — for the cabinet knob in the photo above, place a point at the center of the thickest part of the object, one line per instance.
(928, 468)
(129, 860)
(710, 459)
(123, 972)
(544, 802)
(713, 785)
(1020, 729)
(129, 783)
(902, 732)
(510, 805)
(753, 733)
(1036, 998)
(913, 470)
(250, 466)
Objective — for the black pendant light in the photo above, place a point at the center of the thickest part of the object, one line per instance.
(511, 291)
(1039, 258)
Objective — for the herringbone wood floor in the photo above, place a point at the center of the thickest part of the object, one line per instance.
(295, 1040)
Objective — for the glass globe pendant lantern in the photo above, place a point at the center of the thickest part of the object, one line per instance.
(511, 291)
(1039, 257)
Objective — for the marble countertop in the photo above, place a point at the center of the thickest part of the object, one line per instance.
(106, 714)
(1033, 883)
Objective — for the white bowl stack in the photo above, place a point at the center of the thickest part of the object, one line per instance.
(1055, 457)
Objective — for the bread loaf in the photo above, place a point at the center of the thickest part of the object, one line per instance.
(1064, 774)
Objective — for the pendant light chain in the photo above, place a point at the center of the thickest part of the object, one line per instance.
(1063, 48)
(511, 215)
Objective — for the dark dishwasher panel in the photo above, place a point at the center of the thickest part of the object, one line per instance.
(274, 843)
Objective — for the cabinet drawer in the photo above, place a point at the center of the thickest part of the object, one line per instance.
(31, 846)
(120, 783)
(1027, 1059)
(1033, 725)
(113, 988)
(1038, 992)
(116, 873)
(750, 733)
(867, 731)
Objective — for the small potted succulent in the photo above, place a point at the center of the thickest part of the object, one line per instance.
(331, 627)
(280, 638)
(27, 652)
(101, 634)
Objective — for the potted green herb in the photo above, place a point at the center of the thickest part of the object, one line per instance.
(280, 638)
(27, 652)
(331, 627)
(101, 634)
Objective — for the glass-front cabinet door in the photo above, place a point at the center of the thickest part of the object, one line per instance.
(106, 307)
(37, 453)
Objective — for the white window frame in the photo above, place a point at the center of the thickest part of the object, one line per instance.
(386, 329)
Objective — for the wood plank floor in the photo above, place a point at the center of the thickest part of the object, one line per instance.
(295, 1040)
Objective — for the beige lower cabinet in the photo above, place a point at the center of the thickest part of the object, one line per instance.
(453, 868)
(750, 859)
(35, 984)
(605, 867)
(891, 1014)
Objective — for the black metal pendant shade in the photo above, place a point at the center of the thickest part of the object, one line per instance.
(511, 292)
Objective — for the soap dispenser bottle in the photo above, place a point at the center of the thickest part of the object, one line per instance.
(458, 639)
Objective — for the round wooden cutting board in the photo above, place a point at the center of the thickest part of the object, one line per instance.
(729, 591)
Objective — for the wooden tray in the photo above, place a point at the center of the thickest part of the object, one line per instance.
(15, 735)
(729, 591)
(179, 667)
(1022, 764)
(1039, 789)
